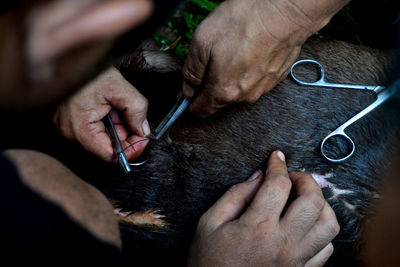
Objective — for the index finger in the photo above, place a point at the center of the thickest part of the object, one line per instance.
(274, 192)
(126, 98)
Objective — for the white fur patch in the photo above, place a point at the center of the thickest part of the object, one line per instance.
(144, 218)
(322, 179)
(349, 206)
(323, 182)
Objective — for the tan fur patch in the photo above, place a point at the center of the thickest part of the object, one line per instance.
(144, 218)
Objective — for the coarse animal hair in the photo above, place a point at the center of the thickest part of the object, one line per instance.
(197, 160)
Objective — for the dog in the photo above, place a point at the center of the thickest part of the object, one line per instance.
(198, 159)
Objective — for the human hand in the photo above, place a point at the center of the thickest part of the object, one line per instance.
(228, 234)
(79, 117)
(244, 48)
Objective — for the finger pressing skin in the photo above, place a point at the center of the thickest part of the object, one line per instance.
(321, 258)
(305, 210)
(273, 194)
(232, 203)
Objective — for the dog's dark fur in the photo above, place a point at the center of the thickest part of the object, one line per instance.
(199, 159)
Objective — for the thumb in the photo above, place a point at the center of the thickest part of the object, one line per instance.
(194, 70)
(125, 97)
(232, 203)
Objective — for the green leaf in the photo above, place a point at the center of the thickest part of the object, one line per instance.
(206, 4)
(189, 35)
(189, 20)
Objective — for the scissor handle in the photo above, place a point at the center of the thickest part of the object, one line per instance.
(319, 82)
(340, 133)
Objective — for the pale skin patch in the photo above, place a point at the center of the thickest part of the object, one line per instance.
(143, 218)
(323, 182)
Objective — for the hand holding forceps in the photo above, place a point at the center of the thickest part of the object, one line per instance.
(171, 117)
(382, 94)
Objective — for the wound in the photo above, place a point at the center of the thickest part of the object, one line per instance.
(144, 218)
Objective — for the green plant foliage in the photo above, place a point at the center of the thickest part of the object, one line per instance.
(206, 4)
(178, 32)
(192, 21)
(183, 25)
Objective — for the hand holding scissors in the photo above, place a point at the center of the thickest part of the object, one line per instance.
(382, 94)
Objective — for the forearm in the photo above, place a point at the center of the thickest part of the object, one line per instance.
(309, 14)
(289, 21)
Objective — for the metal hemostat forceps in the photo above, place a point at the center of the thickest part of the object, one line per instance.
(171, 117)
(382, 94)
(117, 146)
(179, 107)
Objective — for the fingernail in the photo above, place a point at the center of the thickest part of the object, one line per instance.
(255, 176)
(280, 155)
(188, 91)
(146, 127)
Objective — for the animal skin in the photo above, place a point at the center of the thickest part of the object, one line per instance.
(197, 160)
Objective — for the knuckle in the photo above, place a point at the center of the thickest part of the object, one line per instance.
(191, 76)
(234, 189)
(329, 250)
(203, 225)
(253, 98)
(329, 221)
(244, 85)
(279, 180)
(140, 105)
(283, 183)
(284, 253)
(229, 94)
(200, 34)
(317, 200)
(332, 227)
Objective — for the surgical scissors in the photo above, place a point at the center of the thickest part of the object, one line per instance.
(382, 94)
